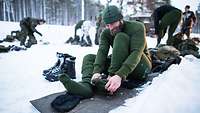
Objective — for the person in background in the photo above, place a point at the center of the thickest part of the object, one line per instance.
(81, 34)
(189, 20)
(28, 26)
(100, 26)
(85, 38)
(164, 17)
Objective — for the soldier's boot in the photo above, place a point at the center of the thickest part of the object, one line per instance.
(65, 64)
(28, 45)
(83, 43)
(54, 73)
(69, 67)
(76, 40)
(58, 62)
(47, 71)
(69, 40)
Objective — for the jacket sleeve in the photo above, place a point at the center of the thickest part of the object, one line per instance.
(194, 17)
(33, 24)
(137, 46)
(102, 52)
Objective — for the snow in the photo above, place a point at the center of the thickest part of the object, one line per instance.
(174, 91)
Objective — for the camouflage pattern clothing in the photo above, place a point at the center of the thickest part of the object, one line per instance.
(28, 26)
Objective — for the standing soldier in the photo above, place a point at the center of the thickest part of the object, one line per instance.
(189, 19)
(164, 17)
(100, 26)
(28, 28)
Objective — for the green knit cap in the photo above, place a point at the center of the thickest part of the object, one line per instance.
(111, 14)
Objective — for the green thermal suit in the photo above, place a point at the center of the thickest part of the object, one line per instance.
(130, 59)
(164, 17)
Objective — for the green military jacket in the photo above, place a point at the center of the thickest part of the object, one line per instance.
(79, 24)
(138, 45)
(30, 23)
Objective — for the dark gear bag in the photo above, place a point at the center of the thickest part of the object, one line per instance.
(66, 102)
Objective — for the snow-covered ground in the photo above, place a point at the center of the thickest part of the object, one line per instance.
(175, 91)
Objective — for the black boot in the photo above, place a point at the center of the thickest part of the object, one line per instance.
(69, 67)
(53, 75)
(57, 64)
(76, 40)
(65, 64)
(69, 40)
(47, 71)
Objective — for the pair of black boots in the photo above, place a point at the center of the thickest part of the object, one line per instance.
(65, 64)
(82, 43)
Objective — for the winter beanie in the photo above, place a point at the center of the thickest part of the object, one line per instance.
(111, 14)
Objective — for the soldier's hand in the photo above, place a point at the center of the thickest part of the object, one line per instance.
(113, 83)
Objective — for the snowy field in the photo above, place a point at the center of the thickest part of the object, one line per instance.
(175, 91)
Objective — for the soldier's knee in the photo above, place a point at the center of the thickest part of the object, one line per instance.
(89, 57)
(121, 37)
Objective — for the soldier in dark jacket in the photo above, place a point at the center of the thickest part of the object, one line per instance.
(28, 26)
(130, 59)
(164, 17)
(189, 19)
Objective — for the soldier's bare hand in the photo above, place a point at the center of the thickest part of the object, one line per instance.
(113, 83)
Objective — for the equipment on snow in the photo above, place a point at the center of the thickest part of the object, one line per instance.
(65, 64)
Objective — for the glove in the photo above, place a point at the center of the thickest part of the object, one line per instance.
(96, 77)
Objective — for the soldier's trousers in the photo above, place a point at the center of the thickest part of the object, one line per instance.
(86, 89)
(170, 20)
(186, 30)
